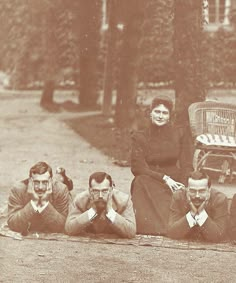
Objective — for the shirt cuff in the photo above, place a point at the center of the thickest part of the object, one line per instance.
(111, 215)
(201, 217)
(191, 221)
(91, 214)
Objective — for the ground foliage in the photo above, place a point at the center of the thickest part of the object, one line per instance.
(101, 133)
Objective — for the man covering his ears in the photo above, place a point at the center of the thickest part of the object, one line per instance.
(198, 212)
(38, 203)
(101, 209)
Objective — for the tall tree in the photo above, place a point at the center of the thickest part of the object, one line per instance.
(49, 44)
(233, 13)
(189, 81)
(156, 46)
(110, 55)
(14, 36)
(59, 44)
(132, 12)
(230, 49)
(90, 14)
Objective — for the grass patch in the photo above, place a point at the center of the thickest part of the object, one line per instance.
(102, 134)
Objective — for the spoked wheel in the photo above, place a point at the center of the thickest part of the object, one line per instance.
(199, 159)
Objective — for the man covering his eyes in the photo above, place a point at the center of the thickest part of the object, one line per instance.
(101, 209)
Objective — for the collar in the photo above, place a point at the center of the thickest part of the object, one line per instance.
(155, 130)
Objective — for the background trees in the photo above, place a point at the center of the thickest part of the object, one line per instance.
(89, 23)
(188, 33)
(155, 41)
(156, 45)
(127, 79)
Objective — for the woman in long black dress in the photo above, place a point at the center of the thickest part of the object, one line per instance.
(161, 159)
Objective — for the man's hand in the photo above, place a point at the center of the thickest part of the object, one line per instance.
(204, 204)
(193, 209)
(110, 212)
(92, 212)
(93, 205)
(109, 202)
(202, 215)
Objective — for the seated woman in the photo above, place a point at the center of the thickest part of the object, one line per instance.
(161, 157)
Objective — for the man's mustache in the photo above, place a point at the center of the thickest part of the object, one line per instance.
(100, 200)
(198, 199)
(40, 190)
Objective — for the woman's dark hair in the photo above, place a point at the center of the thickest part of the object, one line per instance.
(199, 175)
(40, 168)
(165, 100)
(99, 177)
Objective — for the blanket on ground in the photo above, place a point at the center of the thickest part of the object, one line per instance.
(139, 240)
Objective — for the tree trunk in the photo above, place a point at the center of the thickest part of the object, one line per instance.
(109, 60)
(89, 20)
(127, 81)
(233, 14)
(48, 43)
(47, 95)
(189, 83)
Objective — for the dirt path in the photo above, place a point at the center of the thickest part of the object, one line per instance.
(28, 135)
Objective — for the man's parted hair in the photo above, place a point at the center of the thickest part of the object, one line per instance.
(199, 175)
(40, 168)
(99, 177)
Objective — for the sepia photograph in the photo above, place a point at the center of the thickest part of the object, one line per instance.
(118, 141)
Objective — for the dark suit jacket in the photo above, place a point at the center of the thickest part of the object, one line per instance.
(215, 227)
